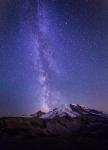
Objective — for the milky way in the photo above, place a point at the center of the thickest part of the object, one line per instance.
(45, 62)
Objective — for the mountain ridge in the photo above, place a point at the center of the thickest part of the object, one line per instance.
(70, 110)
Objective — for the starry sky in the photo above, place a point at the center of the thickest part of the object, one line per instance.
(53, 52)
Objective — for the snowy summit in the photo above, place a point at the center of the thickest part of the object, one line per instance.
(71, 110)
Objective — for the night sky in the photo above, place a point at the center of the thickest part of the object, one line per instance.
(53, 52)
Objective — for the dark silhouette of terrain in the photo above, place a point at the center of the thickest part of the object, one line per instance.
(84, 132)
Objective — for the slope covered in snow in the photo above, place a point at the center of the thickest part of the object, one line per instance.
(71, 110)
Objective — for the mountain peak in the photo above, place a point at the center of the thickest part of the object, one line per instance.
(71, 110)
(38, 114)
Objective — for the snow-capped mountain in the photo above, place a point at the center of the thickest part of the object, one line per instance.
(71, 110)
(62, 126)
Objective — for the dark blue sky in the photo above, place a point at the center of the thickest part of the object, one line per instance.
(53, 52)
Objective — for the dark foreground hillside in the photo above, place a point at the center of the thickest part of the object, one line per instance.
(80, 133)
